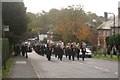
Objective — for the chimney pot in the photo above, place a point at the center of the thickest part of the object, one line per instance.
(106, 16)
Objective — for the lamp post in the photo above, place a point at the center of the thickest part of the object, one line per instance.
(113, 25)
(113, 20)
(119, 17)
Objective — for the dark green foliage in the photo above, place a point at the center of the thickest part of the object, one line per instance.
(113, 40)
(14, 15)
(5, 51)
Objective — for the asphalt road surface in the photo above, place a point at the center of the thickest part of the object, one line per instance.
(90, 68)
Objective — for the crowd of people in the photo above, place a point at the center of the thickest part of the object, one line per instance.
(71, 50)
(21, 49)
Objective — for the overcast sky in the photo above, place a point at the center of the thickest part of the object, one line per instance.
(95, 6)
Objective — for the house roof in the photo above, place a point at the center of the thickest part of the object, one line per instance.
(109, 23)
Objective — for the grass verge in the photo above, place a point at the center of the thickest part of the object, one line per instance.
(107, 57)
(5, 72)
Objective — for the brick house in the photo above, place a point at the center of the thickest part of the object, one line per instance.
(106, 29)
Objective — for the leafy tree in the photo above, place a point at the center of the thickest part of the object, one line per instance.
(113, 40)
(71, 23)
(14, 15)
(32, 25)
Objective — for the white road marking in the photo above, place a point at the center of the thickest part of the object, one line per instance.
(90, 62)
(116, 72)
(102, 69)
(20, 62)
(80, 63)
(34, 67)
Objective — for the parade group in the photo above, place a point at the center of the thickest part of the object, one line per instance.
(71, 50)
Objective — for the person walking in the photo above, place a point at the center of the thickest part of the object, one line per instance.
(108, 50)
(56, 50)
(69, 51)
(83, 50)
(114, 50)
(17, 49)
(26, 49)
(22, 49)
(77, 52)
(66, 51)
(60, 53)
(73, 51)
(48, 52)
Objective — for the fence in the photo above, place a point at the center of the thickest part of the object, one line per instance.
(5, 52)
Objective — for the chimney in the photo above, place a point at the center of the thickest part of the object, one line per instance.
(106, 16)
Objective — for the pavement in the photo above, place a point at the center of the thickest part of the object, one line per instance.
(37, 67)
(22, 69)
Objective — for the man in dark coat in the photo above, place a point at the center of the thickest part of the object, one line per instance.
(37, 48)
(77, 52)
(69, 51)
(56, 50)
(73, 51)
(66, 51)
(26, 49)
(83, 50)
(44, 48)
(60, 53)
(23, 49)
(108, 50)
(48, 52)
(17, 49)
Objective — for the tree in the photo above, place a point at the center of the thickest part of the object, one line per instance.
(33, 25)
(70, 23)
(14, 15)
(113, 40)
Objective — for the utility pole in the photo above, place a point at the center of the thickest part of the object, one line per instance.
(119, 17)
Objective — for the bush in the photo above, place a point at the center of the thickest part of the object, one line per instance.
(5, 72)
(5, 51)
(113, 40)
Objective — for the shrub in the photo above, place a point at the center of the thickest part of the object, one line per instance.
(113, 40)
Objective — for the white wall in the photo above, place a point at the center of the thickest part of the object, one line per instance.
(42, 36)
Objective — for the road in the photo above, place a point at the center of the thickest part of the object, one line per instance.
(90, 68)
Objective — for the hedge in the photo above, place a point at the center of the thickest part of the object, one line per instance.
(113, 40)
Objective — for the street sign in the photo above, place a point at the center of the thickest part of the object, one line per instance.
(6, 28)
(119, 4)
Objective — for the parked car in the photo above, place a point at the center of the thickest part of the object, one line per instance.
(87, 54)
